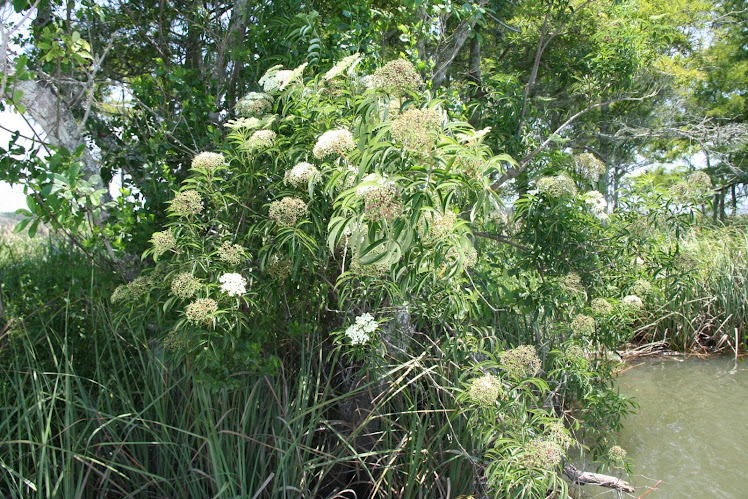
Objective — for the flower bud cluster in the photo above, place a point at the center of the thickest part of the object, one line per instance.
(597, 203)
(642, 287)
(583, 325)
(468, 256)
(601, 307)
(617, 455)
(301, 174)
(520, 362)
(557, 433)
(233, 284)
(201, 311)
(440, 227)
(187, 203)
(261, 139)
(162, 242)
(208, 161)
(140, 286)
(337, 142)
(397, 77)
(590, 166)
(230, 253)
(380, 268)
(383, 202)
(485, 390)
(278, 268)
(185, 285)
(633, 302)
(543, 454)
(359, 332)
(416, 129)
(254, 104)
(120, 293)
(287, 211)
(557, 186)
(572, 283)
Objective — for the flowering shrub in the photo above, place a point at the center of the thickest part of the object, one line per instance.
(331, 198)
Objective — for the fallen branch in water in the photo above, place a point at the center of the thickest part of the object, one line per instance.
(589, 478)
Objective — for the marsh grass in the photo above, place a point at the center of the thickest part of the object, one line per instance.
(705, 306)
(91, 406)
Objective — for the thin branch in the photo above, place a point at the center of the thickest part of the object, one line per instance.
(513, 172)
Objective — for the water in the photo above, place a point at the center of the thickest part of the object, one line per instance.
(691, 430)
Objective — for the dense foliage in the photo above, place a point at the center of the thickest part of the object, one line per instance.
(389, 250)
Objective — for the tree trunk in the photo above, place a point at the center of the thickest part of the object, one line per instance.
(445, 56)
(43, 105)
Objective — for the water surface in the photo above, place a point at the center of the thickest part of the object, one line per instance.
(691, 430)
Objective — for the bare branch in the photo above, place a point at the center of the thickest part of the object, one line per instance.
(513, 172)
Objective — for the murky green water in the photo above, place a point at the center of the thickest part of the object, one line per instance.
(691, 430)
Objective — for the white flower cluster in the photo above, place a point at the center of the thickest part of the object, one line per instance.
(243, 123)
(301, 174)
(254, 104)
(233, 284)
(590, 166)
(345, 64)
(334, 142)
(633, 302)
(359, 331)
(261, 139)
(208, 160)
(287, 211)
(598, 204)
(276, 79)
(557, 186)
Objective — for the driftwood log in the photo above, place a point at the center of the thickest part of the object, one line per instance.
(589, 478)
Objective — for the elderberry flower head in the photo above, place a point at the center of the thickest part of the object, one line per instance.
(162, 242)
(345, 64)
(301, 174)
(617, 455)
(597, 203)
(601, 307)
(383, 202)
(261, 139)
(520, 362)
(233, 284)
(557, 186)
(359, 332)
(287, 211)
(230, 253)
(254, 104)
(485, 390)
(276, 79)
(208, 161)
(543, 454)
(633, 302)
(337, 142)
(201, 311)
(416, 129)
(187, 203)
(590, 166)
(185, 285)
(397, 77)
(584, 325)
